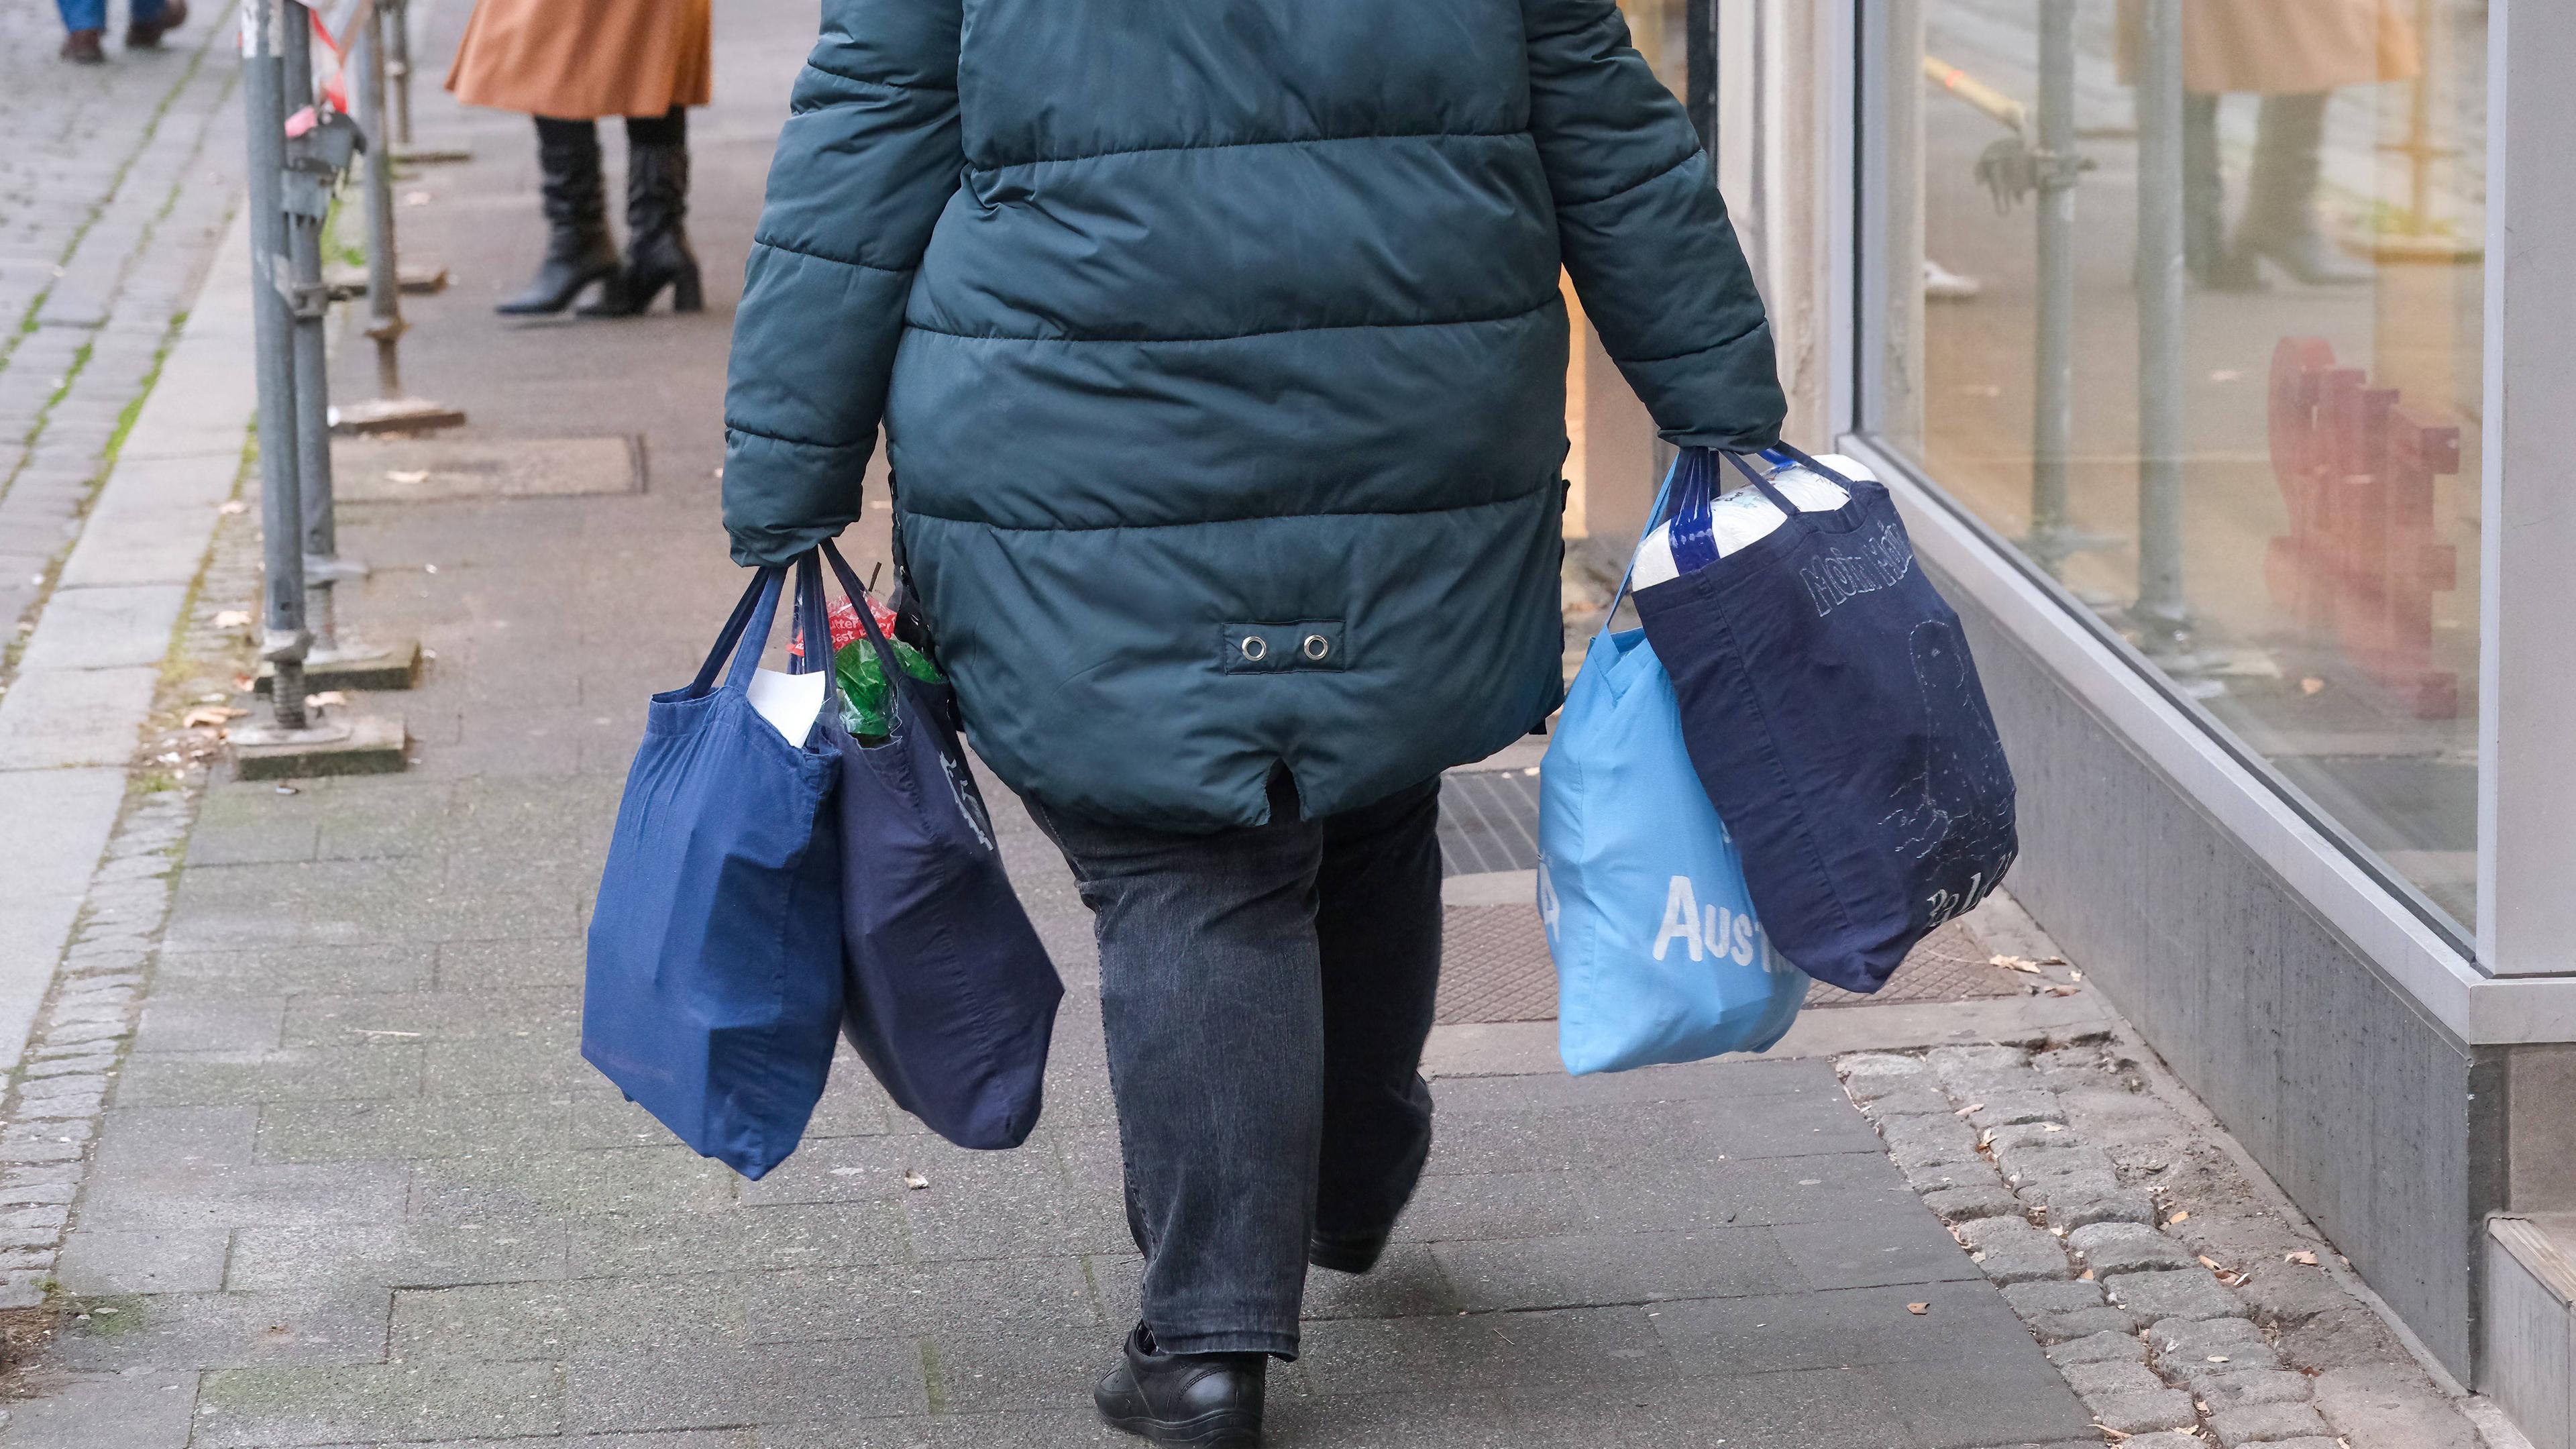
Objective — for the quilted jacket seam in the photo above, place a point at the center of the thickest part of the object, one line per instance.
(1647, 180)
(889, 87)
(1518, 131)
(734, 427)
(780, 246)
(1548, 486)
(1718, 346)
(1531, 311)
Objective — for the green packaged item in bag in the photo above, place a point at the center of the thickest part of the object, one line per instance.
(866, 706)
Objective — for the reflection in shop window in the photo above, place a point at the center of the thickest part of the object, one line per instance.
(2319, 594)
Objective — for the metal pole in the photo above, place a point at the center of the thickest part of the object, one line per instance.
(2052, 433)
(309, 206)
(389, 411)
(284, 639)
(397, 36)
(384, 286)
(2161, 612)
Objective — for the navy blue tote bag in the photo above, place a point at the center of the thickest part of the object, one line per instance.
(1835, 717)
(950, 996)
(714, 983)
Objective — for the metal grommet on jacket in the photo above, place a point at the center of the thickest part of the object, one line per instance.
(1316, 647)
(1255, 648)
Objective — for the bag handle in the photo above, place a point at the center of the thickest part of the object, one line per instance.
(745, 636)
(897, 676)
(750, 615)
(1780, 500)
(1654, 516)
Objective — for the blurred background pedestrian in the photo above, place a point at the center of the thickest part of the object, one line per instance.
(85, 24)
(2295, 54)
(567, 63)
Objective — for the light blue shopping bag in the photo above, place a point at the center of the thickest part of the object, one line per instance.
(1658, 955)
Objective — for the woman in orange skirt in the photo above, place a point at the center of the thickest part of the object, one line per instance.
(2294, 54)
(567, 63)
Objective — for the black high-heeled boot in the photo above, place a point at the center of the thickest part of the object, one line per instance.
(1204, 1400)
(579, 250)
(657, 241)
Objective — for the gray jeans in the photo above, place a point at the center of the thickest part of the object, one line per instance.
(1266, 994)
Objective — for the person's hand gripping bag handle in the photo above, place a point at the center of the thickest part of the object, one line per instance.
(1835, 718)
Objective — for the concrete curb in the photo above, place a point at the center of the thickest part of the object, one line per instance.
(69, 723)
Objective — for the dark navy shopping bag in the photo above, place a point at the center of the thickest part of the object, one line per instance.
(714, 985)
(950, 996)
(1833, 713)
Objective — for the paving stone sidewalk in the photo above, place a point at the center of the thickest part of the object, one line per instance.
(334, 1174)
(115, 185)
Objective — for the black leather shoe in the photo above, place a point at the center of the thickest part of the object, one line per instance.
(1352, 1254)
(1203, 1400)
(146, 34)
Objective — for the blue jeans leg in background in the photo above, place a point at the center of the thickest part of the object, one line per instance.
(92, 14)
(1266, 993)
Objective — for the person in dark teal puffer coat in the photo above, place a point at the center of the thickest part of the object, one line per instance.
(1220, 357)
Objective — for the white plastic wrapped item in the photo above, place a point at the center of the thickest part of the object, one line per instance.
(1744, 516)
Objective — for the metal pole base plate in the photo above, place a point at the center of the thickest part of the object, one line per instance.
(350, 283)
(395, 415)
(359, 664)
(334, 745)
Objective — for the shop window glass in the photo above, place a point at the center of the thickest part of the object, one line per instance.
(2305, 565)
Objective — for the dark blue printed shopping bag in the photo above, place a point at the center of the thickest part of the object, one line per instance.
(714, 986)
(950, 996)
(1834, 715)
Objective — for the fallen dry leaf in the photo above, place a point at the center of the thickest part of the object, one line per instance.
(914, 1180)
(232, 506)
(407, 475)
(2177, 1217)
(2061, 991)
(1918, 1309)
(2310, 1259)
(232, 619)
(2022, 964)
(2212, 1264)
(1971, 1107)
(2084, 1277)
(211, 714)
(327, 698)
(2311, 685)
(2052, 1126)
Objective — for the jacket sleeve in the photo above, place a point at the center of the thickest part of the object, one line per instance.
(869, 157)
(1644, 234)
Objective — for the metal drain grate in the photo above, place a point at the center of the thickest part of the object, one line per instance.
(1488, 821)
(1495, 967)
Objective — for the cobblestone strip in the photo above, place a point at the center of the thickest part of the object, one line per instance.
(2074, 1189)
(55, 1100)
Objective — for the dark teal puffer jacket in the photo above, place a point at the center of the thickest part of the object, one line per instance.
(1220, 356)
